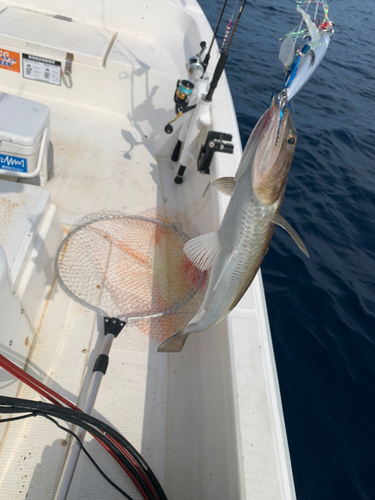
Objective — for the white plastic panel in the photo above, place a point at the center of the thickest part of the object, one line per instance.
(15, 334)
(140, 54)
(22, 208)
(30, 32)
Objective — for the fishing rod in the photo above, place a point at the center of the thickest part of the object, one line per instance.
(208, 55)
(223, 58)
(216, 141)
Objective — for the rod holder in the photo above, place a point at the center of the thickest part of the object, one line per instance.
(215, 142)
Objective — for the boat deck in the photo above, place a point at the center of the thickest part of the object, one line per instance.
(101, 161)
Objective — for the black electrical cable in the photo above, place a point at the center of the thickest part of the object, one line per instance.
(97, 434)
(11, 419)
(120, 490)
(95, 431)
(91, 424)
(34, 414)
(27, 405)
(102, 437)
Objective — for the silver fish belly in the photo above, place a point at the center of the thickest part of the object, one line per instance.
(245, 235)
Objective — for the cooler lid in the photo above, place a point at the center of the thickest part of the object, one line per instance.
(21, 120)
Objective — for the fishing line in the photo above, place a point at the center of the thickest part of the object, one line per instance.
(235, 26)
(229, 25)
(213, 5)
(316, 11)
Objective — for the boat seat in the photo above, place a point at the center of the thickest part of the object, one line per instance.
(54, 36)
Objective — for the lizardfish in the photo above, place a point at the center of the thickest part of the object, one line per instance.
(236, 250)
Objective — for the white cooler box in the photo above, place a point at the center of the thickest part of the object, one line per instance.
(24, 139)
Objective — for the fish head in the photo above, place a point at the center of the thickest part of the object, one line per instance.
(269, 153)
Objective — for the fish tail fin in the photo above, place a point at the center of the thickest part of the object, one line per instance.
(174, 343)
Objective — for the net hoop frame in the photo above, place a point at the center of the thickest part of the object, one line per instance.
(97, 309)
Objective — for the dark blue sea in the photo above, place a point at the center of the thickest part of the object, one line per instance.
(322, 309)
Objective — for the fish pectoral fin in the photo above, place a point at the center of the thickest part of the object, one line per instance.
(174, 343)
(203, 250)
(225, 185)
(312, 54)
(280, 221)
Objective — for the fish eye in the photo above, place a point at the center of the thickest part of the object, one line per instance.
(291, 140)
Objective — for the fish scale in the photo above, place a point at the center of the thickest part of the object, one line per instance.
(256, 228)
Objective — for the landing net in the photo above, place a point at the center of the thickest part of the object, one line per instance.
(133, 267)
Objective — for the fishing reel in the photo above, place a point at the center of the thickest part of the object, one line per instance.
(195, 69)
(182, 95)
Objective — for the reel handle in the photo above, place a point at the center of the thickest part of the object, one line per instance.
(168, 129)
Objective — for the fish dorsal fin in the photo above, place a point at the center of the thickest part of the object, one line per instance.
(225, 185)
(280, 221)
(202, 250)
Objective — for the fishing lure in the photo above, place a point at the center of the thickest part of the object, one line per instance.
(301, 63)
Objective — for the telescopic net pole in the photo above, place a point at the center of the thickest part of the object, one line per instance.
(112, 327)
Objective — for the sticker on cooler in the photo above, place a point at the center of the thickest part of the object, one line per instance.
(8, 162)
(9, 60)
(41, 69)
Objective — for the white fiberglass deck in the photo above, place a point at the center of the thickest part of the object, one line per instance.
(208, 420)
(175, 409)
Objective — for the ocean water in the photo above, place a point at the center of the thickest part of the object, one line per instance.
(322, 309)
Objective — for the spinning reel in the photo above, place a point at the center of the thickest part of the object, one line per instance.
(184, 88)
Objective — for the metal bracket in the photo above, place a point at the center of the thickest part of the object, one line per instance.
(216, 141)
(113, 326)
(67, 74)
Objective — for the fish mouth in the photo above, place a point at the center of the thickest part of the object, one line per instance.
(271, 134)
(274, 153)
(265, 143)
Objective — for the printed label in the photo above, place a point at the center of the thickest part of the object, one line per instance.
(14, 163)
(9, 60)
(41, 69)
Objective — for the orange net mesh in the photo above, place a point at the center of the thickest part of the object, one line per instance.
(133, 267)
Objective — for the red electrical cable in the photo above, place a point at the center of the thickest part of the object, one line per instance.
(53, 396)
